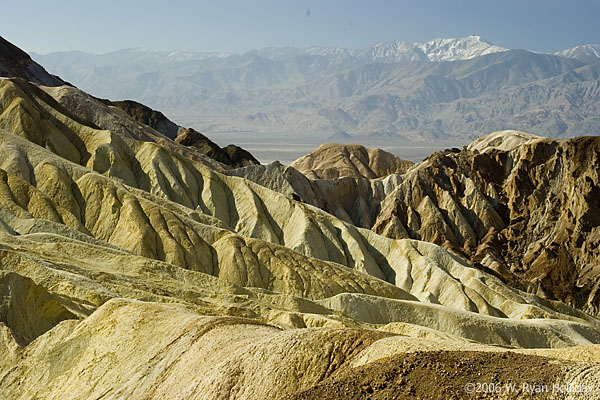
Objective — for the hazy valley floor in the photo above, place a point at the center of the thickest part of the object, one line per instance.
(288, 148)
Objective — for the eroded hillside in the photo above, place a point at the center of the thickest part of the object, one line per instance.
(527, 208)
(333, 161)
(134, 267)
(520, 206)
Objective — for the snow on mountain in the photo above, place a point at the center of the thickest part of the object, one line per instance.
(328, 51)
(435, 50)
(381, 52)
(388, 88)
(389, 52)
(181, 56)
(394, 52)
(589, 53)
(441, 49)
(457, 49)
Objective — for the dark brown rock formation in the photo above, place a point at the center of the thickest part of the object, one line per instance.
(15, 63)
(231, 155)
(530, 212)
(146, 115)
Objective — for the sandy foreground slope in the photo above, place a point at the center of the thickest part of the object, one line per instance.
(130, 269)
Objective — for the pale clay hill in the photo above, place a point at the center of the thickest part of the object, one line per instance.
(332, 161)
(134, 267)
(90, 215)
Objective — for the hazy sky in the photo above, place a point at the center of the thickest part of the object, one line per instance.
(238, 26)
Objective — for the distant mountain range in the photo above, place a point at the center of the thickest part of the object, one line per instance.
(454, 89)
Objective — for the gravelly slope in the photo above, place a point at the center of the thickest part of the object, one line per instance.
(182, 355)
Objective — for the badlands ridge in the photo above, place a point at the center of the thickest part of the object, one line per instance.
(133, 266)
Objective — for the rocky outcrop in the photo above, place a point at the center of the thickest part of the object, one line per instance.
(192, 138)
(517, 205)
(15, 63)
(231, 155)
(332, 161)
(154, 119)
(239, 157)
(522, 206)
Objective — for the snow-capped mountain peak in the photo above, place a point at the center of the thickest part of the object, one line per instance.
(587, 53)
(394, 52)
(452, 49)
(397, 51)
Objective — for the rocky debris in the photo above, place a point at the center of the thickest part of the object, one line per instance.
(332, 161)
(446, 375)
(15, 63)
(525, 208)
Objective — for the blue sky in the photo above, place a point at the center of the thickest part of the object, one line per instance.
(238, 26)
